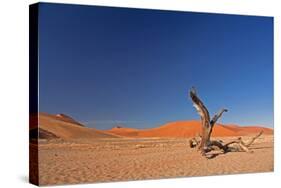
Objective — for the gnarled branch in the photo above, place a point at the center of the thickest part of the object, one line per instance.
(207, 124)
(217, 116)
(253, 139)
(199, 106)
(205, 144)
(239, 143)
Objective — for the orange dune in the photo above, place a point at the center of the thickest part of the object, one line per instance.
(253, 129)
(188, 129)
(65, 127)
(66, 118)
(62, 126)
(123, 131)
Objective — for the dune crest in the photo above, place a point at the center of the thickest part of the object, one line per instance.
(189, 129)
(64, 127)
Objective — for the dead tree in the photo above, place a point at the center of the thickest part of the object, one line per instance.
(204, 143)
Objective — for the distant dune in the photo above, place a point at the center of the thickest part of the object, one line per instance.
(65, 127)
(188, 129)
(123, 131)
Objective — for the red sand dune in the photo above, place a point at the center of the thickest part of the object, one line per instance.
(188, 129)
(123, 131)
(66, 118)
(62, 117)
(62, 126)
(65, 127)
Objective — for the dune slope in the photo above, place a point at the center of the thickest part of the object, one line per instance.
(65, 127)
(188, 129)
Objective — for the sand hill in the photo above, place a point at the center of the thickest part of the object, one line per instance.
(65, 127)
(188, 129)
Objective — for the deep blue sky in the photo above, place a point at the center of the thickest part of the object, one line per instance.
(107, 66)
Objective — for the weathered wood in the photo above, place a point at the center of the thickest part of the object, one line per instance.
(227, 147)
(205, 120)
(205, 144)
(253, 139)
(215, 119)
(207, 124)
(193, 143)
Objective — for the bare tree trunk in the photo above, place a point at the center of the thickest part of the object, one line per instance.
(207, 124)
(205, 144)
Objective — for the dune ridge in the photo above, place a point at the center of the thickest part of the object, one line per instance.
(65, 127)
(189, 129)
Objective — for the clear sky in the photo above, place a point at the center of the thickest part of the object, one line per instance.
(107, 66)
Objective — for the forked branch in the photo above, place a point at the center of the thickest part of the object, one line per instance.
(205, 144)
(217, 116)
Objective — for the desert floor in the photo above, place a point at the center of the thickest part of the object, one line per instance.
(120, 159)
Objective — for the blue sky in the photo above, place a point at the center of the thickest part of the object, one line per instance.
(106, 66)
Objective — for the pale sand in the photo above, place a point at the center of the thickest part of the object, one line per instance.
(117, 159)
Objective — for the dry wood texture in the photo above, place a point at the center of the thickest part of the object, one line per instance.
(204, 142)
